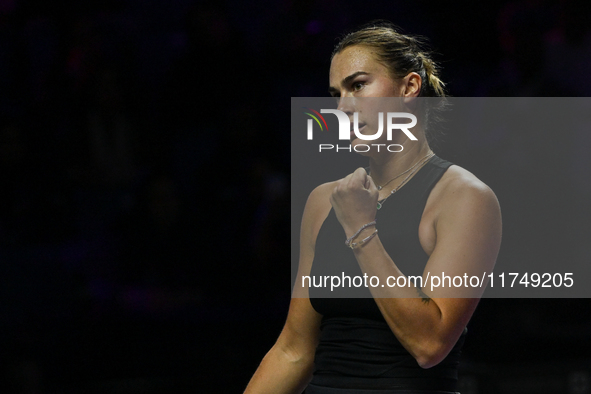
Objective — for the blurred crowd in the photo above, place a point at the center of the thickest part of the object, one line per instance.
(145, 162)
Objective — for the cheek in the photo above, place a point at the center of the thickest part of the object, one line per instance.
(372, 120)
(375, 114)
(386, 87)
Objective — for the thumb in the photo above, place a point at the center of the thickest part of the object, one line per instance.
(370, 184)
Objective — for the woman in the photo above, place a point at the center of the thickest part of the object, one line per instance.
(433, 218)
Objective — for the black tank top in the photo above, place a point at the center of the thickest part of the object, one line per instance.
(357, 349)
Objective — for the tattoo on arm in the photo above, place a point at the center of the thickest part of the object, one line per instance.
(424, 297)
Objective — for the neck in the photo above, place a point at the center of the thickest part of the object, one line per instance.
(384, 167)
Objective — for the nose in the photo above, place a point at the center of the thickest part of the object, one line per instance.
(347, 105)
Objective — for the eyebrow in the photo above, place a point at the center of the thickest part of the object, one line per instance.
(347, 80)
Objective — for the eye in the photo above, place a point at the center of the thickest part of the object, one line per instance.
(358, 85)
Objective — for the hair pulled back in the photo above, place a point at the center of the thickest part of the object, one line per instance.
(400, 53)
(403, 54)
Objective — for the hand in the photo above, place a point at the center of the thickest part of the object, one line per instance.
(354, 200)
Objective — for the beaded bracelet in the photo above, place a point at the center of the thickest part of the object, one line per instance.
(353, 245)
(348, 241)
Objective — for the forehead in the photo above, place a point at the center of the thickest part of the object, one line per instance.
(354, 59)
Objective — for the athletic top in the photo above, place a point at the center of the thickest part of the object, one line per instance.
(357, 349)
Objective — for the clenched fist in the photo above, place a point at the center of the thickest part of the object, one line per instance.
(354, 200)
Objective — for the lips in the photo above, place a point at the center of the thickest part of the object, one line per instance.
(352, 135)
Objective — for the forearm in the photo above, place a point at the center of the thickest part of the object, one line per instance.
(463, 233)
(281, 373)
(417, 322)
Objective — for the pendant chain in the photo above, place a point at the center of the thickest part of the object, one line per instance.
(412, 170)
(380, 187)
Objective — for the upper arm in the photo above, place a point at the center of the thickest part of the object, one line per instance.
(302, 328)
(468, 232)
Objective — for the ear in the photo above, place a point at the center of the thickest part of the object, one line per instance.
(411, 86)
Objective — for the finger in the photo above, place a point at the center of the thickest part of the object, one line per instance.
(346, 181)
(353, 180)
(363, 177)
(360, 173)
(349, 179)
(370, 183)
(367, 183)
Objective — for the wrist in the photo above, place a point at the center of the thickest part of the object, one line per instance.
(361, 240)
(366, 228)
(357, 229)
(364, 233)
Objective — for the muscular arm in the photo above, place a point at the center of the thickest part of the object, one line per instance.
(287, 367)
(468, 233)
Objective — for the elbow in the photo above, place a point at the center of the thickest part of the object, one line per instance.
(431, 355)
(295, 356)
(428, 361)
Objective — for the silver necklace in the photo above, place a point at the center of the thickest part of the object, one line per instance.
(402, 173)
(414, 169)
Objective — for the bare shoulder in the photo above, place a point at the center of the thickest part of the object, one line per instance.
(461, 191)
(458, 199)
(459, 183)
(317, 208)
(320, 197)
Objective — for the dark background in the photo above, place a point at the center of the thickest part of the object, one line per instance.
(144, 213)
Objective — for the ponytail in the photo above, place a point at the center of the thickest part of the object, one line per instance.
(401, 53)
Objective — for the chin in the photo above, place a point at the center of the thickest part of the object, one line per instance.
(356, 142)
(373, 150)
